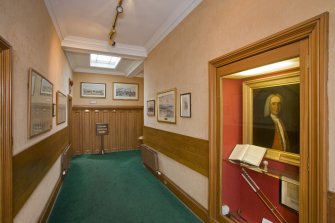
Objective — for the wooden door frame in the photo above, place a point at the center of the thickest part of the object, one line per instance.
(5, 133)
(314, 34)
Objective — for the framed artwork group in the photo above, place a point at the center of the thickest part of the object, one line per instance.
(166, 106)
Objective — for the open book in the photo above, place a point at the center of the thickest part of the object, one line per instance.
(248, 154)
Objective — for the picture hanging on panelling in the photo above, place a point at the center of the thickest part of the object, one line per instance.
(185, 105)
(92, 90)
(166, 105)
(125, 91)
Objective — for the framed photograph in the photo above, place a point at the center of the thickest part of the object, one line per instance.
(60, 107)
(166, 105)
(289, 193)
(125, 91)
(46, 87)
(39, 104)
(271, 116)
(151, 108)
(185, 105)
(92, 90)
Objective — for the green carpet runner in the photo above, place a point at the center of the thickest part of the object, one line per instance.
(116, 188)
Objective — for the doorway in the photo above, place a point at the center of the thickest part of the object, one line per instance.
(5, 133)
(307, 42)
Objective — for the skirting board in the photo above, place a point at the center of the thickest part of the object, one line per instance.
(48, 207)
(192, 204)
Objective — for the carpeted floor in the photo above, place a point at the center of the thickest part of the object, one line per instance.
(116, 188)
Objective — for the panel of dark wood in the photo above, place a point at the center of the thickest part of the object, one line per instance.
(331, 207)
(31, 165)
(125, 126)
(191, 152)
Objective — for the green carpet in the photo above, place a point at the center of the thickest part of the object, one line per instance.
(116, 188)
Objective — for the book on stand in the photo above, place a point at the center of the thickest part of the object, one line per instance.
(249, 154)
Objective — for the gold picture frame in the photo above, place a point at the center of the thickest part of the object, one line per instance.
(60, 107)
(283, 145)
(39, 104)
(166, 106)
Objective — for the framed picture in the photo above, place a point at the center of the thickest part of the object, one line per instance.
(289, 193)
(39, 104)
(125, 91)
(151, 108)
(92, 90)
(166, 105)
(46, 87)
(60, 108)
(271, 116)
(185, 105)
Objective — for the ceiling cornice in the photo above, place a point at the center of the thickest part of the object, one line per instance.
(175, 18)
(48, 4)
(95, 71)
(84, 45)
(135, 69)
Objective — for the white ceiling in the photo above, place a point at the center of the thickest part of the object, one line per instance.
(83, 27)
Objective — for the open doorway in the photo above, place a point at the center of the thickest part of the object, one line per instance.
(5, 133)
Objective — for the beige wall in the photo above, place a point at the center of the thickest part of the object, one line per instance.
(108, 79)
(216, 28)
(26, 25)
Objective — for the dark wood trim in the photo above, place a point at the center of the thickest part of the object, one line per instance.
(31, 165)
(313, 38)
(331, 207)
(6, 143)
(192, 204)
(51, 201)
(192, 152)
(105, 107)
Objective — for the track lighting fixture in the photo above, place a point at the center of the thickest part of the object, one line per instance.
(119, 10)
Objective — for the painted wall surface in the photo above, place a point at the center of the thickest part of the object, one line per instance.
(108, 80)
(216, 28)
(26, 25)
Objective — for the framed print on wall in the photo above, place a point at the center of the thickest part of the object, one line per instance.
(185, 105)
(151, 108)
(271, 116)
(166, 106)
(125, 91)
(39, 104)
(92, 90)
(60, 108)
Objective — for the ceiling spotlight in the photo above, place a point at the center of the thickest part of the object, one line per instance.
(119, 9)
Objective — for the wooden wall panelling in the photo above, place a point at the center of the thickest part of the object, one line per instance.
(76, 132)
(86, 132)
(191, 152)
(96, 140)
(125, 126)
(31, 166)
(105, 119)
(114, 134)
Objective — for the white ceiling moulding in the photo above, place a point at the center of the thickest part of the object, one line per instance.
(135, 69)
(84, 45)
(48, 4)
(97, 71)
(176, 17)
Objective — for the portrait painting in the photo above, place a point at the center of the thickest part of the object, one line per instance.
(272, 113)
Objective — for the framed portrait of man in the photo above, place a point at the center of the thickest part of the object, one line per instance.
(271, 115)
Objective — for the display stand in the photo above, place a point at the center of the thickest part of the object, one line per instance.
(101, 130)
